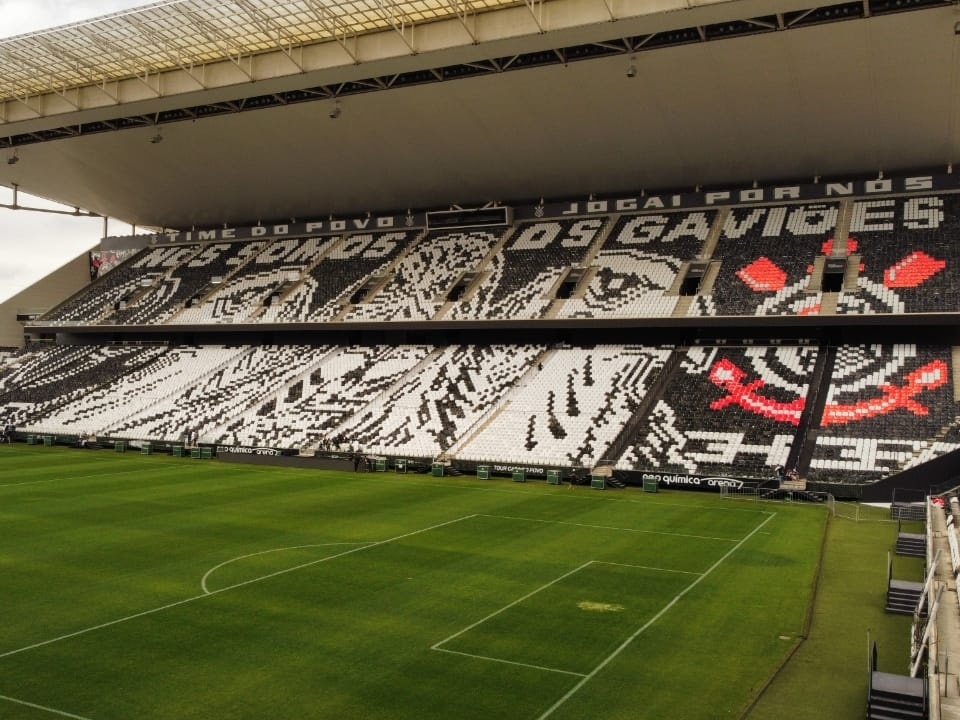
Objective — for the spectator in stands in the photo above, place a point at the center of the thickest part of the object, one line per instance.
(781, 473)
(793, 475)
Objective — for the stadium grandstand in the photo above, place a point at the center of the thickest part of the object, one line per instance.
(689, 243)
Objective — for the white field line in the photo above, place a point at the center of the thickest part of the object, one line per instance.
(508, 662)
(436, 646)
(203, 581)
(676, 598)
(54, 711)
(646, 567)
(530, 594)
(74, 477)
(609, 527)
(109, 623)
(30, 482)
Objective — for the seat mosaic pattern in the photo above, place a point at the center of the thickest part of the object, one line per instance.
(725, 410)
(241, 298)
(245, 379)
(522, 274)
(40, 379)
(885, 404)
(99, 301)
(422, 278)
(766, 258)
(108, 405)
(908, 255)
(169, 295)
(328, 285)
(430, 409)
(571, 409)
(333, 386)
(639, 263)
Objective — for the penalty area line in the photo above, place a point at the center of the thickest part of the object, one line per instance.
(509, 662)
(623, 646)
(44, 708)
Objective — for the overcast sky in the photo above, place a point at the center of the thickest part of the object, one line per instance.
(33, 244)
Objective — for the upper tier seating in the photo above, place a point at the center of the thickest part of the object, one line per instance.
(243, 296)
(725, 410)
(885, 404)
(100, 301)
(182, 284)
(522, 274)
(570, 410)
(908, 255)
(328, 286)
(638, 263)
(766, 256)
(417, 290)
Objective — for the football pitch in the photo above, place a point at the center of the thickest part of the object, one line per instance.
(167, 588)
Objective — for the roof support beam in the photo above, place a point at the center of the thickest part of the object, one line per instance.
(285, 43)
(463, 13)
(335, 26)
(162, 46)
(231, 52)
(387, 9)
(536, 12)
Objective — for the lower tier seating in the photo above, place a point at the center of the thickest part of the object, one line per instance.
(724, 410)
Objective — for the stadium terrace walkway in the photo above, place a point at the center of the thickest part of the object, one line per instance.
(946, 642)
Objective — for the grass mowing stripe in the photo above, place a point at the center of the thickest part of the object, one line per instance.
(612, 656)
(84, 631)
(608, 527)
(54, 711)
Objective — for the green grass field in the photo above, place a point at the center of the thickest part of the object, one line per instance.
(154, 587)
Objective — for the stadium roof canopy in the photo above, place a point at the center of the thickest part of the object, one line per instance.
(148, 115)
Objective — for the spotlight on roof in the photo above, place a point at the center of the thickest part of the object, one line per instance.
(157, 138)
(632, 67)
(13, 159)
(336, 110)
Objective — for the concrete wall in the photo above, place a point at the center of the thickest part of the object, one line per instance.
(41, 296)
